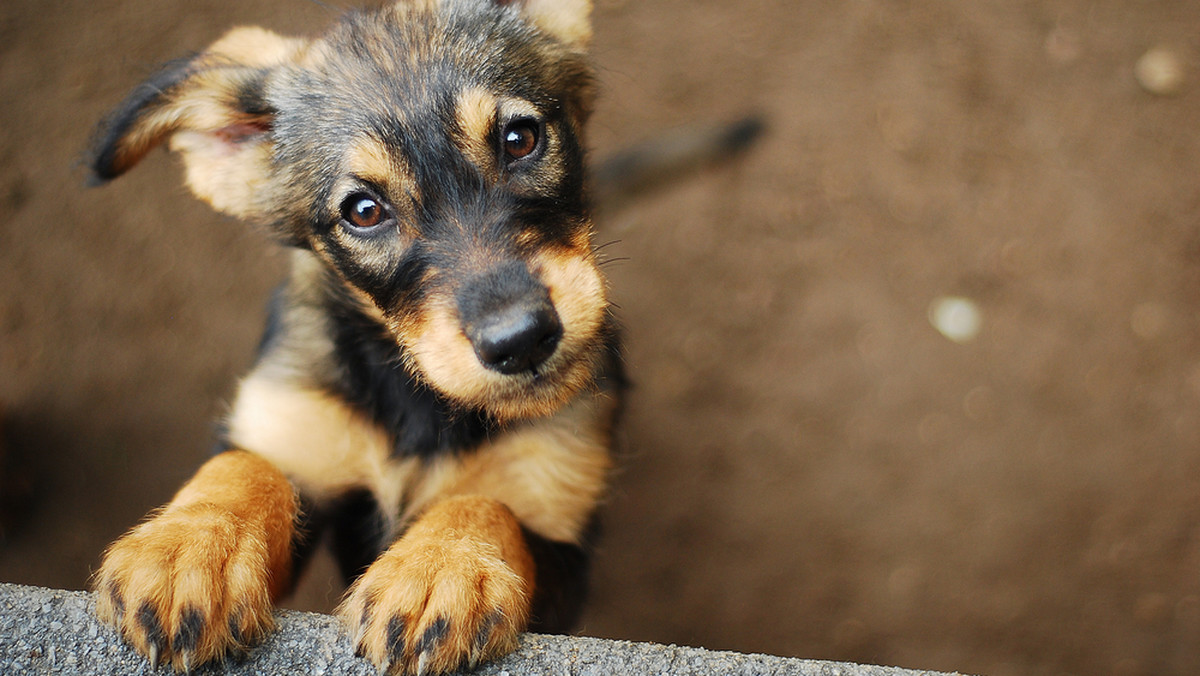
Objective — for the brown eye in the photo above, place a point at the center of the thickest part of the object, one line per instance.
(521, 139)
(363, 212)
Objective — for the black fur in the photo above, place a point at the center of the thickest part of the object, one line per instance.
(563, 571)
(371, 377)
(357, 528)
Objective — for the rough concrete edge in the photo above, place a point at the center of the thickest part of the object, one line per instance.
(52, 631)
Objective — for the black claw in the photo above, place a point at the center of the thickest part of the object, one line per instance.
(485, 629)
(434, 634)
(395, 638)
(482, 636)
(191, 625)
(155, 636)
(235, 627)
(114, 593)
(364, 620)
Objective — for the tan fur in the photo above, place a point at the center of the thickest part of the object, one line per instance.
(220, 549)
(370, 160)
(257, 47)
(405, 8)
(551, 473)
(512, 107)
(476, 114)
(321, 443)
(567, 20)
(464, 562)
(577, 291)
(443, 353)
(228, 177)
(232, 180)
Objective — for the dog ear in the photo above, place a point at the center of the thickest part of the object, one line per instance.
(567, 20)
(211, 109)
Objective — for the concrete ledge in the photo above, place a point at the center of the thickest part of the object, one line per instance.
(50, 631)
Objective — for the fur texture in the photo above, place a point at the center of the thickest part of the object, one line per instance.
(441, 372)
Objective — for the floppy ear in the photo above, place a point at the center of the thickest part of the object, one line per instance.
(567, 20)
(209, 108)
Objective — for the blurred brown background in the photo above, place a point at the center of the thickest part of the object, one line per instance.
(812, 468)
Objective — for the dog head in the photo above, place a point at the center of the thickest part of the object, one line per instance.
(429, 155)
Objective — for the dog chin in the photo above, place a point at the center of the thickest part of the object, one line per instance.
(542, 393)
(508, 398)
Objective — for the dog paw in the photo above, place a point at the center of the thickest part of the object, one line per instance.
(435, 602)
(187, 587)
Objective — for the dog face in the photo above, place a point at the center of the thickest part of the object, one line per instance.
(429, 154)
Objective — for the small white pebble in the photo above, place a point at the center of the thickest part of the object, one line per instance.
(1159, 71)
(956, 318)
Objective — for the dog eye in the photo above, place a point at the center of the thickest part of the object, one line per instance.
(363, 212)
(521, 138)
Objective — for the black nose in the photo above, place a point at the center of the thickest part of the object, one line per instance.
(517, 339)
(509, 319)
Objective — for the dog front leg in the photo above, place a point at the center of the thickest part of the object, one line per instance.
(198, 579)
(455, 590)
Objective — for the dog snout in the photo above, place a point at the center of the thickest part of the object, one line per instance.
(517, 340)
(510, 320)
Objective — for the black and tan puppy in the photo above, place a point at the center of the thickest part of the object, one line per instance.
(437, 386)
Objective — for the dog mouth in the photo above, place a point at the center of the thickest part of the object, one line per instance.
(517, 340)
(527, 368)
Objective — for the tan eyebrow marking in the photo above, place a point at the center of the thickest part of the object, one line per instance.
(369, 159)
(476, 115)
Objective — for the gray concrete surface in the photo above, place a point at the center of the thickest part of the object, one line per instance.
(50, 631)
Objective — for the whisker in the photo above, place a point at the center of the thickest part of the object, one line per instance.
(600, 247)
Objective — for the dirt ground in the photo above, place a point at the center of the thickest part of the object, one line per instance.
(811, 468)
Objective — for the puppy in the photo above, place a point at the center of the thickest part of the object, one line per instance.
(437, 387)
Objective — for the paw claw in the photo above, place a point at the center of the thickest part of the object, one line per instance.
(433, 635)
(176, 606)
(156, 639)
(118, 602)
(438, 600)
(395, 639)
(191, 625)
(482, 636)
(235, 629)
